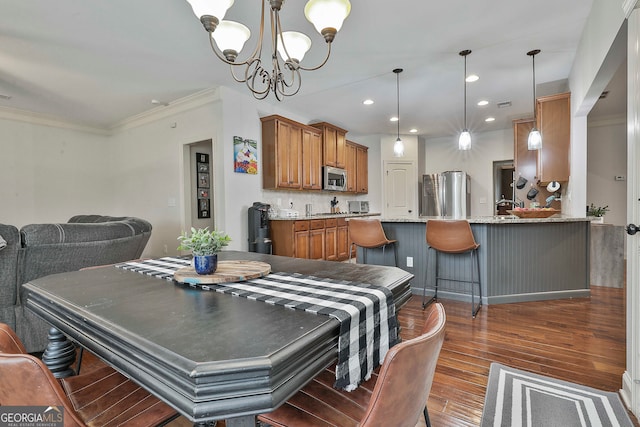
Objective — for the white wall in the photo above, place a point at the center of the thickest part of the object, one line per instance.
(606, 158)
(442, 154)
(49, 174)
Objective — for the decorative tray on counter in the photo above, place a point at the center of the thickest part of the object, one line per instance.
(227, 271)
(534, 213)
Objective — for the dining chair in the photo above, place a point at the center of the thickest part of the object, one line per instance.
(99, 398)
(452, 237)
(369, 234)
(395, 396)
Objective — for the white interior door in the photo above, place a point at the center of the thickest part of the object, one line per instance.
(400, 189)
(631, 378)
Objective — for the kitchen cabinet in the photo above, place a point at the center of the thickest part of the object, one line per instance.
(311, 239)
(357, 157)
(290, 155)
(334, 144)
(298, 238)
(311, 160)
(351, 167)
(362, 169)
(554, 123)
(342, 239)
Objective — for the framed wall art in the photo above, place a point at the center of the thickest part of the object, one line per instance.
(245, 155)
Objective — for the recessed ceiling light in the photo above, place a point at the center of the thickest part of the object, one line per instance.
(472, 78)
(367, 101)
(483, 103)
(156, 102)
(414, 130)
(490, 119)
(393, 119)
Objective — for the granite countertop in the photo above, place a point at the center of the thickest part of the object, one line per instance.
(325, 216)
(501, 219)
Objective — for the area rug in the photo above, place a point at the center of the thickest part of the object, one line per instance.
(517, 398)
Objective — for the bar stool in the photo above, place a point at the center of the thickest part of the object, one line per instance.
(369, 234)
(452, 237)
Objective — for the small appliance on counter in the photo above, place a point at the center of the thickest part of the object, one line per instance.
(259, 228)
(358, 206)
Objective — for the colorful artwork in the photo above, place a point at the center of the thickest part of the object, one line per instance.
(245, 155)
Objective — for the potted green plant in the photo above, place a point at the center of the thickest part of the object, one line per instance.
(204, 245)
(597, 211)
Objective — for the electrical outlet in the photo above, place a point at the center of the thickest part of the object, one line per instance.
(409, 261)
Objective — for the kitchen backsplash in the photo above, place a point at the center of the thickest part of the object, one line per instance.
(320, 202)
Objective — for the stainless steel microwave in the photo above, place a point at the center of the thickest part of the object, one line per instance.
(334, 179)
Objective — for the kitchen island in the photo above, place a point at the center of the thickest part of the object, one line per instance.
(520, 259)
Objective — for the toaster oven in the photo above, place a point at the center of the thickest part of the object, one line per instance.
(358, 206)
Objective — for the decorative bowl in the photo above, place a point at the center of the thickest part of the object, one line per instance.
(534, 213)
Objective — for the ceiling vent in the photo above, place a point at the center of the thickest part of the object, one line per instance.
(5, 96)
(504, 104)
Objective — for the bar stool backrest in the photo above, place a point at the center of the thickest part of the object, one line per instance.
(452, 237)
(367, 233)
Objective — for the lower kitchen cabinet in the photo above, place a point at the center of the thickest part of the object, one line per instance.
(311, 238)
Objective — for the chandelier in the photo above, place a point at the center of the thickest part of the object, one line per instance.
(288, 48)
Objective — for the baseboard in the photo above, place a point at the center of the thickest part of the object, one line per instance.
(625, 391)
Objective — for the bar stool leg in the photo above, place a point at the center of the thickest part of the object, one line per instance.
(424, 286)
(474, 308)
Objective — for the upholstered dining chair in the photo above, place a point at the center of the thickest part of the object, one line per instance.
(99, 398)
(452, 237)
(396, 396)
(369, 234)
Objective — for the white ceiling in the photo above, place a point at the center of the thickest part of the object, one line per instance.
(98, 62)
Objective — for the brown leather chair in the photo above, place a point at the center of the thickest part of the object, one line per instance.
(396, 396)
(101, 397)
(369, 234)
(452, 237)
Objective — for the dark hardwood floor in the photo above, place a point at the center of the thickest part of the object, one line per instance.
(578, 340)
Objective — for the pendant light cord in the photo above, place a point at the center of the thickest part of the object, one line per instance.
(398, 71)
(532, 54)
(465, 92)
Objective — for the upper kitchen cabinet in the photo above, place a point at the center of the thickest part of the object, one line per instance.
(311, 159)
(357, 168)
(554, 123)
(334, 143)
(290, 155)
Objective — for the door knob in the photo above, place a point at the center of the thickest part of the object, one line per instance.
(632, 229)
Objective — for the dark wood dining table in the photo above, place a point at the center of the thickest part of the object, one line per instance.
(209, 355)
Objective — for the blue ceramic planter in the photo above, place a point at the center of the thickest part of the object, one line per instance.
(205, 264)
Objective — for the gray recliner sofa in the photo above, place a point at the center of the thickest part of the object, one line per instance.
(37, 250)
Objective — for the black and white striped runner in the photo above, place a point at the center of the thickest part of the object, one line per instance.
(358, 307)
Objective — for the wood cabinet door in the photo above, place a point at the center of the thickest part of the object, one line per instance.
(311, 160)
(362, 170)
(302, 244)
(342, 242)
(341, 151)
(289, 155)
(351, 168)
(330, 136)
(554, 121)
(316, 244)
(331, 243)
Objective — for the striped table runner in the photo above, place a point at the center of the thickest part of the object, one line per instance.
(368, 324)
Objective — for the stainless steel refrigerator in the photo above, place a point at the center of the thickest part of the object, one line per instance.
(446, 194)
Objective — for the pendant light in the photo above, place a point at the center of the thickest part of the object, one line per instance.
(464, 141)
(534, 142)
(398, 147)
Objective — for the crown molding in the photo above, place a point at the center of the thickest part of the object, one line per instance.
(628, 6)
(186, 103)
(607, 121)
(46, 120)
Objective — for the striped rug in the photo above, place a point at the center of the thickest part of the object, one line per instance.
(517, 398)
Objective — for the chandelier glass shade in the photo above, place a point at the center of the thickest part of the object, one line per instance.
(282, 77)
(398, 146)
(534, 141)
(464, 140)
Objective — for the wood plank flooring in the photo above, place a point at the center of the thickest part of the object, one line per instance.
(577, 340)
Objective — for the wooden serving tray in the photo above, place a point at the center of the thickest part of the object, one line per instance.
(227, 271)
(534, 214)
